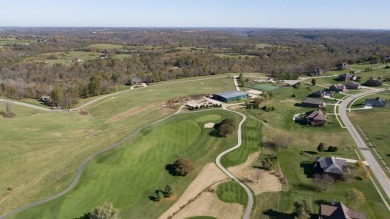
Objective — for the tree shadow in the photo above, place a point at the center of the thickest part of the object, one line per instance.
(308, 168)
(311, 152)
(85, 216)
(215, 133)
(298, 104)
(304, 186)
(171, 169)
(388, 155)
(277, 215)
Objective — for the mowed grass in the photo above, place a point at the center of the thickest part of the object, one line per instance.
(251, 142)
(41, 151)
(232, 192)
(375, 124)
(130, 173)
(156, 93)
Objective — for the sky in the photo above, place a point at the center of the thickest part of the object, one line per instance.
(343, 14)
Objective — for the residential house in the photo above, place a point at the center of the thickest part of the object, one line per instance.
(45, 98)
(347, 77)
(329, 165)
(337, 88)
(375, 102)
(316, 118)
(312, 102)
(322, 93)
(337, 210)
(352, 85)
(136, 81)
(317, 72)
(341, 66)
(374, 83)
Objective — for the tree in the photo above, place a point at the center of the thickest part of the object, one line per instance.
(321, 147)
(302, 209)
(313, 82)
(157, 196)
(354, 198)
(8, 110)
(94, 86)
(366, 174)
(182, 167)
(281, 140)
(226, 127)
(106, 211)
(56, 95)
(168, 191)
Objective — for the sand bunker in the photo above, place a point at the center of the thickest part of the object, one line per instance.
(209, 125)
(208, 204)
(209, 175)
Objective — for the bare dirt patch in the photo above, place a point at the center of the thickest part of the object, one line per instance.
(209, 125)
(208, 204)
(258, 180)
(209, 175)
(128, 113)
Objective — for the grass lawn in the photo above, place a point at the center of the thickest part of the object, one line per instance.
(41, 150)
(130, 173)
(232, 192)
(378, 135)
(362, 66)
(10, 42)
(295, 161)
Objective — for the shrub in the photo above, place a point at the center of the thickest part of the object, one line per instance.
(359, 164)
(321, 147)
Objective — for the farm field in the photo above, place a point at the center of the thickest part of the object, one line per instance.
(63, 57)
(48, 147)
(104, 46)
(130, 173)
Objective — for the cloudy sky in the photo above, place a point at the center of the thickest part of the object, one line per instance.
(351, 14)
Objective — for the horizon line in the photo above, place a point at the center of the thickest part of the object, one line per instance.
(200, 27)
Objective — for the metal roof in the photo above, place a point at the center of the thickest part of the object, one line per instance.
(229, 94)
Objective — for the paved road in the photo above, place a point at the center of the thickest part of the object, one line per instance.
(81, 167)
(218, 162)
(25, 104)
(374, 165)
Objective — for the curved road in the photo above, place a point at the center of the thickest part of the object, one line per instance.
(218, 162)
(374, 165)
(82, 165)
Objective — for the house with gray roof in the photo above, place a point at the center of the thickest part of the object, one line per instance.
(338, 211)
(347, 77)
(313, 102)
(329, 165)
(229, 96)
(375, 102)
(337, 87)
(352, 85)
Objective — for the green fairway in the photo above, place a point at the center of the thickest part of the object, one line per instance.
(251, 142)
(41, 150)
(130, 173)
(232, 192)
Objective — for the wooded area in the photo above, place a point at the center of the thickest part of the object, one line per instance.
(66, 63)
